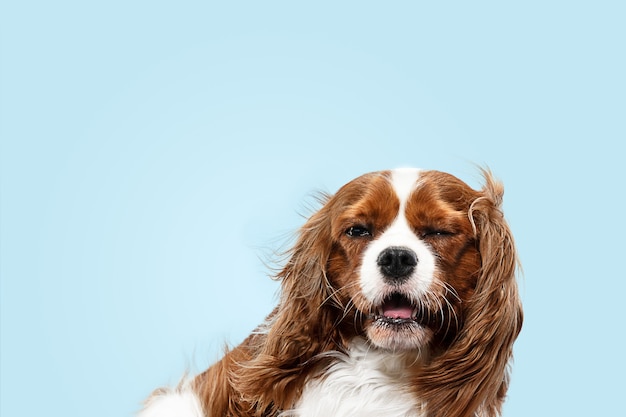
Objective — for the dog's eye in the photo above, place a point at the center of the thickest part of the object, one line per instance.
(437, 233)
(358, 231)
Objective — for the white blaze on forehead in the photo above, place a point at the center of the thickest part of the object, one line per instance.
(399, 234)
(404, 181)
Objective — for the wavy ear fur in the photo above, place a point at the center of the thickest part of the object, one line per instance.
(272, 378)
(471, 377)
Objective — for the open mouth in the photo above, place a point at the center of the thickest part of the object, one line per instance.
(399, 323)
(397, 309)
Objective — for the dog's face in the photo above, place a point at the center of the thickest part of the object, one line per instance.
(404, 256)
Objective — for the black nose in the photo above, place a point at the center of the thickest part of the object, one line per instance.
(397, 263)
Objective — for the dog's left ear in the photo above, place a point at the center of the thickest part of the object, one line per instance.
(473, 375)
(495, 317)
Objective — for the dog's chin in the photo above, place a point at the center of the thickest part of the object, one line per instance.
(398, 335)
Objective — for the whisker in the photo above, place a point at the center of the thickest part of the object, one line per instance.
(334, 292)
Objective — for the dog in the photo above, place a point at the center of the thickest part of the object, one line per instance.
(399, 298)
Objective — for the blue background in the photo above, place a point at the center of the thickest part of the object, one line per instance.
(156, 154)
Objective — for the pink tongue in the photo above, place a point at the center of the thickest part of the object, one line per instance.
(397, 312)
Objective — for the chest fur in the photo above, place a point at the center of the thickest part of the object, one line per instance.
(362, 383)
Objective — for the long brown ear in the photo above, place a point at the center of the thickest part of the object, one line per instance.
(299, 328)
(472, 375)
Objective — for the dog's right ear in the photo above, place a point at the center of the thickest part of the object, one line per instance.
(298, 329)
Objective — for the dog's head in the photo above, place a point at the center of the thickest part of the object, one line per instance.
(411, 253)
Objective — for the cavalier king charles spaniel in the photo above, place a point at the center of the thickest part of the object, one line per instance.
(399, 298)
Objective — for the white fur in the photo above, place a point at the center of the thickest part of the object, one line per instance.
(176, 403)
(365, 382)
(404, 182)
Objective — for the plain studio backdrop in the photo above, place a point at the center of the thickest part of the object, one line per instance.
(157, 154)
